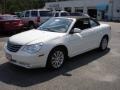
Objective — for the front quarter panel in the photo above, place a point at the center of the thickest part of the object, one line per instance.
(105, 30)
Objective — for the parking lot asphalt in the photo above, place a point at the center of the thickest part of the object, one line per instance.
(93, 70)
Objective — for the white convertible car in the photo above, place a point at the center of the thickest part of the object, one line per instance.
(56, 40)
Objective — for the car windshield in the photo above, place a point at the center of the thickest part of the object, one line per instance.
(56, 25)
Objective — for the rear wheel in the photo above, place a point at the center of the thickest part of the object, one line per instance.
(31, 25)
(56, 58)
(104, 43)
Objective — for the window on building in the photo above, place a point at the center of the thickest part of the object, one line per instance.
(68, 9)
(78, 9)
(50, 9)
(93, 12)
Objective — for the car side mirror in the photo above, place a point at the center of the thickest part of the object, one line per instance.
(76, 30)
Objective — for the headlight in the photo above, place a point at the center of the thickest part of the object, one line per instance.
(32, 48)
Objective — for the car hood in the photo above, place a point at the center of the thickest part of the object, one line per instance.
(34, 35)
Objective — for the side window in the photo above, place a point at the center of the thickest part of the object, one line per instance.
(56, 14)
(27, 14)
(45, 13)
(93, 23)
(64, 14)
(34, 13)
(82, 24)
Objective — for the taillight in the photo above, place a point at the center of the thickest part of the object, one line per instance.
(19, 22)
(38, 19)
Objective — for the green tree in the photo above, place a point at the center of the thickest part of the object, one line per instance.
(20, 5)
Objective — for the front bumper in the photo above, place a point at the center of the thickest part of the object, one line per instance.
(26, 60)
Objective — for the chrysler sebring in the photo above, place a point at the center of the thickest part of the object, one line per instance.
(55, 40)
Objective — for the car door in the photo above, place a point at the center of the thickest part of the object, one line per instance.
(95, 31)
(76, 40)
(25, 17)
(84, 41)
(89, 35)
(75, 44)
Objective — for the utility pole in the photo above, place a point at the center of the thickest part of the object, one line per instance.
(112, 8)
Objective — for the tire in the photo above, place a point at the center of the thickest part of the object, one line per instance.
(104, 44)
(31, 25)
(56, 58)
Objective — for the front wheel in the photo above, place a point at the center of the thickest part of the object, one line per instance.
(56, 58)
(104, 44)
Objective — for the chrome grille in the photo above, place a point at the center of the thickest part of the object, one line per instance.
(13, 47)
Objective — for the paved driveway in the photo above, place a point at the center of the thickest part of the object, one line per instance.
(90, 71)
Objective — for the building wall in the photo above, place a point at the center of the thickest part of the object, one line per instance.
(116, 9)
(112, 13)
